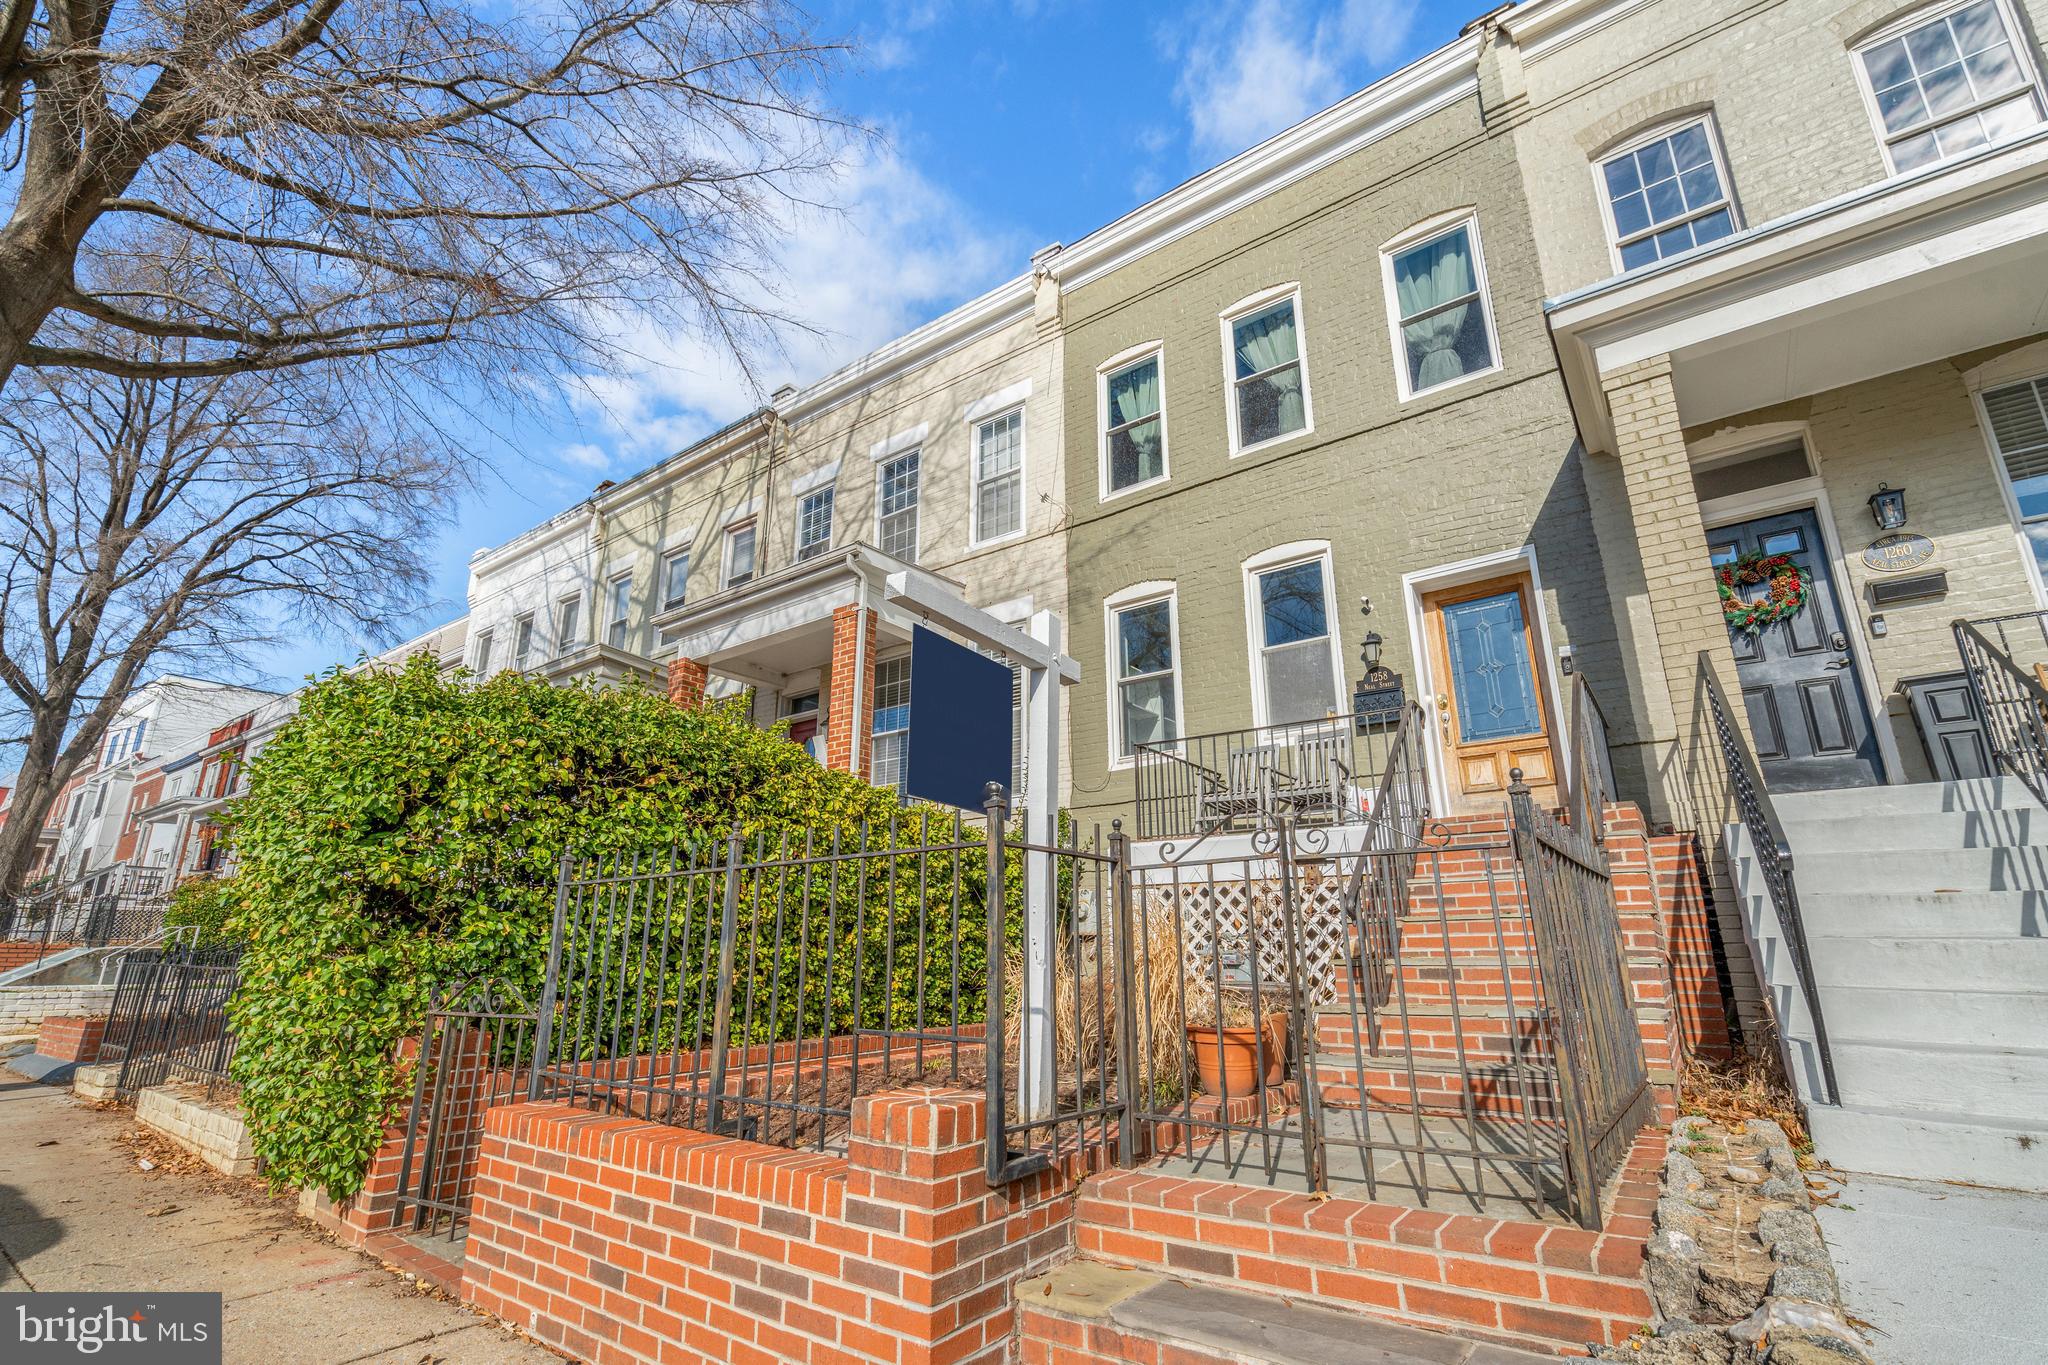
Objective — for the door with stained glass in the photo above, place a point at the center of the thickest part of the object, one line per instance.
(1492, 713)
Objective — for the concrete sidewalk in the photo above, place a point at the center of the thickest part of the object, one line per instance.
(76, 1213)
(1942, 1272)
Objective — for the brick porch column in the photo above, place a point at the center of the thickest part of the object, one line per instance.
(1685, 610)
(850, 702)
(687, 679)
(1688, 787)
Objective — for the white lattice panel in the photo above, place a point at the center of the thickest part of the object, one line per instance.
(1247, 917)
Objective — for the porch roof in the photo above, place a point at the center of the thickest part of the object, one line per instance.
(1910, 271)
(781, 623)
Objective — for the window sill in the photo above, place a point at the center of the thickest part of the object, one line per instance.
(1113, 494)
(1271, 442)
(1449, 384)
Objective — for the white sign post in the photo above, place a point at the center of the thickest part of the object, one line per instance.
(1046, 670)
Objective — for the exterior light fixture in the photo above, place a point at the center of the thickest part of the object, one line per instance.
(1369, 652)
(1888, 507)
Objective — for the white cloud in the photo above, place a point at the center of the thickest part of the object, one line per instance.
(1254, 67)
(897, 252)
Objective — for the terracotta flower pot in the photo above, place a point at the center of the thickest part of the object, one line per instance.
(1227, 1059)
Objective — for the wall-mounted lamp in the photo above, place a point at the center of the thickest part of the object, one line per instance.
(1888, 507)
(1369, 651)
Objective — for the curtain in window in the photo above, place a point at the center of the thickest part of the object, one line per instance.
(1267, 341)
(1133, 397)
(1425, 278)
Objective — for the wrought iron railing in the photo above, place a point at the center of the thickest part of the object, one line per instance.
(1590, 779)
(2011, 694)
(1603, 1083)
(474, 1052)
(1313, 772)
(758, 988)
(169, 1020)
(123, 904)
(1773, 852)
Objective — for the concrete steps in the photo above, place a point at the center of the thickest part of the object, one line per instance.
(1925, 910)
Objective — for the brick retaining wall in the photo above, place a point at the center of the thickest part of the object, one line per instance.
(14, 955)
(71, 1037)
(624, 1241)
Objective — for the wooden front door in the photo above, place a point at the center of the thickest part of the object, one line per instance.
(1492, 712)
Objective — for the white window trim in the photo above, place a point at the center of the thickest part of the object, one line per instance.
(668, 556)
(902, 443)
(1139, 595)
(917, 541)
(486, 642)
(1467, 218)
(1286, 557)
(1226, 321)
(975, 540)
(1656, 133)
(561, 641)
(813, 481)
(2004, 479)
(1123, 360)
(520, 661)
(831, 524)
(997, 403)
(610, 589)
(732, 532)
(2022, 48)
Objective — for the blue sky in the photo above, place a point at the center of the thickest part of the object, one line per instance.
(1008, 124)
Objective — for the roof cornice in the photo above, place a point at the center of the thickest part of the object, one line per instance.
(1422, 87)
(1005, 304)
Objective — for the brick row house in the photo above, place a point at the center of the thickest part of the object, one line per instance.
(1616, 360)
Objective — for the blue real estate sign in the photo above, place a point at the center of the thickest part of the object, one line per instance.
(959, 739)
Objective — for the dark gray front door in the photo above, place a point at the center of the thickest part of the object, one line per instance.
(1806, 706)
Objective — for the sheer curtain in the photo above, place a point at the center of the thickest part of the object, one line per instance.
(1425, 278)
(1263, 343)
(1133, 397)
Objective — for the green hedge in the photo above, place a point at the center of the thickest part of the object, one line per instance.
(209, 905)
(404, 829)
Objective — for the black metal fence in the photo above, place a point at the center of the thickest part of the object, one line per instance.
(1772, 850)
(1604, 1087)
(169, 1019)
(759, 988)
(122, 905)
(1316, 772)
(474, 1052)
(2006, 661)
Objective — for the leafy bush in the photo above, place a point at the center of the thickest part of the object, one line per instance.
(207, 904)
(404, 829)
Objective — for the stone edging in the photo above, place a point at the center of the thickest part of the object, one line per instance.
(1800, 1321)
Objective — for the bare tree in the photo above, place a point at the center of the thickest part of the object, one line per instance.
(306, 180)
(145, 522)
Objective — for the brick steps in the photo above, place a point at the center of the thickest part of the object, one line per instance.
(1539, 1285)
(1087, 1311)
(1438, 1085)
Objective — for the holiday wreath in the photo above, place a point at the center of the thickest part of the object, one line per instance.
(1786, 597)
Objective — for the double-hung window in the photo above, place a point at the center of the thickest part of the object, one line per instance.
(1948, 81)
(1146, 708)
(1133, 426)
(999, 476)
(568, 624)
(522, 642)
(620, 600)
(1443, 328)
(1666, 195)
(1295, 652)
(814, 523)
(2018, 418)
(675, 579)
(1268, 385)
(484, 642)
(892, 721)
(739, 555)
(896, 509)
